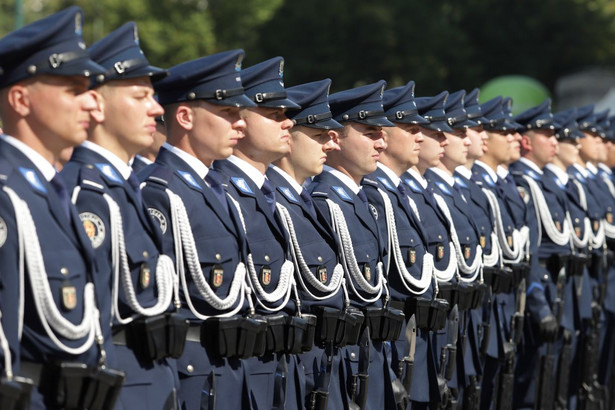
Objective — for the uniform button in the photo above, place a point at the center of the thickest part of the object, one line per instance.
(218, 256)
(64, 271)
(367, 255)
(353, 355)
(467, 239)
(267, 258)
(546, 277)
(319, 259)
(89, 166)
(145, 254)
(439, 236)
(411, 240)
(190, 368)
(576, 220)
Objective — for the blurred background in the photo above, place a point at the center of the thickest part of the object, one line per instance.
(526, 49)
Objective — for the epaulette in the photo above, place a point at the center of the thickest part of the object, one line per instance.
(5, 172)
(90, 179)
(160, 175)
(242, 185)
(341, 192)
(109, 173)
(318, 194)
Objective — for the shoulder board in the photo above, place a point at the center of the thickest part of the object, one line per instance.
(160, 175)
(444, 188)
(460, 182)
(90, 179)
(5, 171)
(387, 184)
(33, 179)
(288, 193)
(109, 172)
(413, 185)
(318, 194)
(242, 185)
(341, 192)
(369, 182)
(187, 176)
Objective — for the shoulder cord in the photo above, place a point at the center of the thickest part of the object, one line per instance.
(349, 260)
(285, 283)
(409, 282)
(475, 267)
(186, 254)
(164, 270)
(49, 315)
(514, 254)
(589, 233)
(543, 212)
(493, 258)
(4, 344)
(440, 275)
(303, 270)
(609, 228)
(609, 184)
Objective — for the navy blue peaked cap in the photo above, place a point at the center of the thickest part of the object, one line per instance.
(432, 109)
(399, 105)
(264, 84)
(586, 118)
(496, 118)
(214, 79)
(362, 104)
(315, 111)
(456, 115)
(472, 107)
(53, 45)
(566, 125)
(119, 53)
(610, 134)
(538, 117)
(603, 122)
(507, 104)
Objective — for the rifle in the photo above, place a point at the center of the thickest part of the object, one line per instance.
(406, 365)
(448, 358)
(358, 388)
(506, 380)
(544, 396)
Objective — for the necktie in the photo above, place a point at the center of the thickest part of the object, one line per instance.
(136, 187)
(307, 199)
(402, 190)
(269, 192)
(363, 198)
(215, 183)
(510, 180)
(60, 188)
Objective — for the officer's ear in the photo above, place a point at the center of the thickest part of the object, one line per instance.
(335, 136)
(98, 114)
(184, 116)
(526, 143)
(18, 98)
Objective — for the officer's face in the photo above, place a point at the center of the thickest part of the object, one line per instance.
(58, 110)
(499, 147)
(308, 150)
(478, 138)
(216, 130)
(267, 134)
(130, 112)
(610, 154)
(602, 150)
(544, 146)
(515, 147)
(568, 152)
(360, 148)
(456, 152)
(432, 149)
(404, 144)
(589, 147)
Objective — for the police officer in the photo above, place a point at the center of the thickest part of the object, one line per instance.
(270, 270)
(201, 227)
(439, 245)
(127, 244)
(45, 109)
(549, 301)
(338, 193)
(410, 267)
(318, 273)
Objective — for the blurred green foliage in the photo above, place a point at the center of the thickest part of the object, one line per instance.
(441, 44)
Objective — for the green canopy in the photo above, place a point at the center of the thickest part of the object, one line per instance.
(526, 92)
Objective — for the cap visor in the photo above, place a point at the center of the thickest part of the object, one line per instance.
(281, 103)
(324, 125)
(240, 100)
(376, 121)
(411, 119)
(465, 124)
(439, 126)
